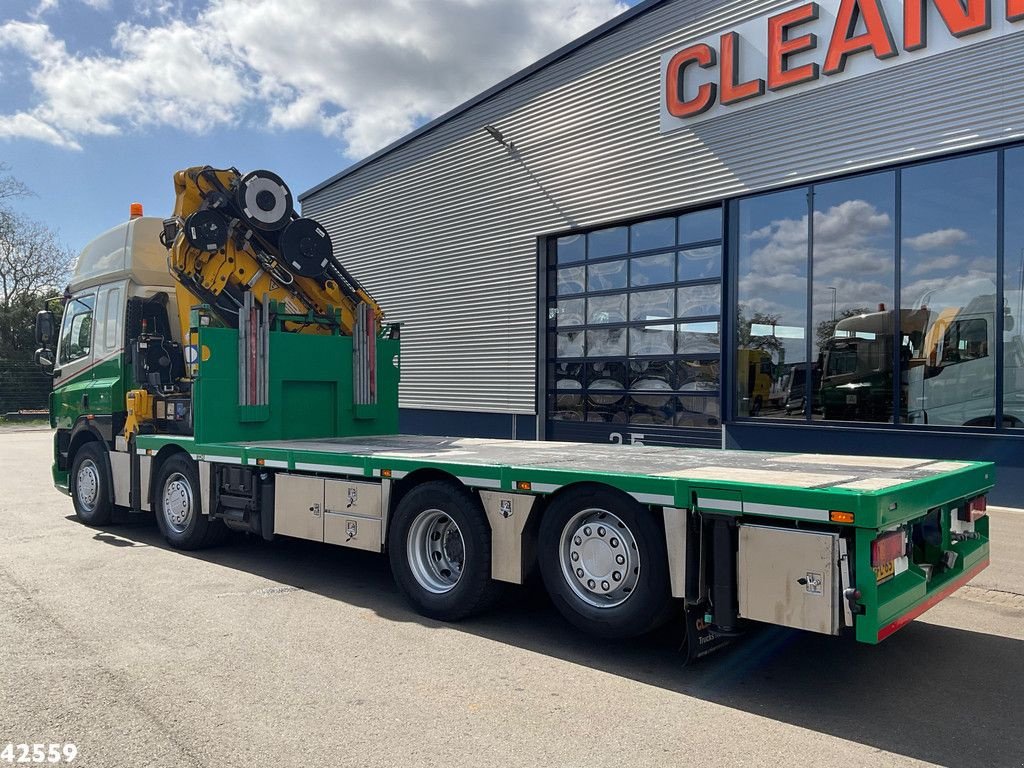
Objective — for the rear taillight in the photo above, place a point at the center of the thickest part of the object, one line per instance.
(888, 547)
(973, 510)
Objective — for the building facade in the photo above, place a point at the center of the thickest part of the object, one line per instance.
(784, 226)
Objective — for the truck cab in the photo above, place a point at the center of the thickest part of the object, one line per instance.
(120, 285)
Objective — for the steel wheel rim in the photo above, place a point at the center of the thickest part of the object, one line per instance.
(178, 504)
(87, 485)
(599, 558)
(436, 551)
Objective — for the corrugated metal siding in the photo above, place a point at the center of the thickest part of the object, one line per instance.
(443, 230)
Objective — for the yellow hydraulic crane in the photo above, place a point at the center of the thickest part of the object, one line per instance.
(233, 233)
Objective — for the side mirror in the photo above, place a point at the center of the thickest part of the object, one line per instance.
(44, 358)
(46, 328)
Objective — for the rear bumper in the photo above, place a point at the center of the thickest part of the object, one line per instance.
(939, 594)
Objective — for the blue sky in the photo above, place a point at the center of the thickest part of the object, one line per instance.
(102, 100)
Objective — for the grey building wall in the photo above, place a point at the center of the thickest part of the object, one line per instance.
(443, 229)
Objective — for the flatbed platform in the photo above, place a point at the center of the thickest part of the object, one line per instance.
(878, 490)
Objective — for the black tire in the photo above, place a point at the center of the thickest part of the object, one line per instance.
(641, 589)
(178, 505)
(432, 594)
(93, 493)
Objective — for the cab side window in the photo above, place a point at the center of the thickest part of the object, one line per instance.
(76, 330)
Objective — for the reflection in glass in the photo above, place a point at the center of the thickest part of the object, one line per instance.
(650, 374)
(607, 242)
(1013, 289)
(614, 412)
(606, 343)
(772, 300)
(699, 226)
(565, 407)
(652, 270)
(700, 263)
(652, 339)
(699, 300)
(566, 312)
(569, 344)
(699, 375)
(607, 276)
(852, 315)
(697, 411)
(651, 305)
(607, 309)
(657, 409)
(948, 272)
(570, 248)
(698, 338)
(569, 281)
(648, 235)
(607, 376)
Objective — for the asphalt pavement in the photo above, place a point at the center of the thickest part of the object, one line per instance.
(298, 654)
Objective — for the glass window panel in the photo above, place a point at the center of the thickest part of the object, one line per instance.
(948, 274)
(607, 309)
(570, 249)
(697, 300)
(569, 281)
(652, 270)
(76, 330)
(607, 242)
(700, 263)
(699, 375)
(113, 314)
(566, 312)
(651, 305)
(699, 226)
(1013, 287)
(854, 253)
(652, 339)
(565, 407)
(569, 344)
(771, 312)
(610, 342)
(648, 235)
(657, 408)
(607, 408)
(565, 375)
(698, 412)
(699, 338)
(651, 374)
(607, 276)
(607, 376)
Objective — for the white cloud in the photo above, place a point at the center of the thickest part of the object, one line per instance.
(948, 261)
(940, 238)
(364, 71)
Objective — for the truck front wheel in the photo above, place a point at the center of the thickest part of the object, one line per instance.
(604, 563)
(91, 485)
(439, 545)
(179, 507)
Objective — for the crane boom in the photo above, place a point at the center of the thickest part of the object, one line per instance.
(232, 234)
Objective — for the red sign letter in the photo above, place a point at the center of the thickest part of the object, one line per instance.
(731, 90)
(703, 56)
(960, 22)
(877, 37)
(1014, 10)
(780, 47)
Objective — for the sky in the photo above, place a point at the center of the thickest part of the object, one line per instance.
(102, 100)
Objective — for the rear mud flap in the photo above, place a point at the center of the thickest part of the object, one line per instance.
(701, 638)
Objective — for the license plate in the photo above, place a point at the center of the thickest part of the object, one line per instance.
(885, 571)
(851, 399)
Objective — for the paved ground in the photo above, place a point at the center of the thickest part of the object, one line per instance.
(297, 654)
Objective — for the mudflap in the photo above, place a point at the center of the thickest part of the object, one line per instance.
(701, 638)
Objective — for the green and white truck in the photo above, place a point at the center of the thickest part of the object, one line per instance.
(204, 373)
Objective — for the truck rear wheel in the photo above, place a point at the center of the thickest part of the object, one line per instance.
(179, 507)
(604, 563)
(91, 485)
(439, 545)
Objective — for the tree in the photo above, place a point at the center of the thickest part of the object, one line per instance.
(33, 267)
